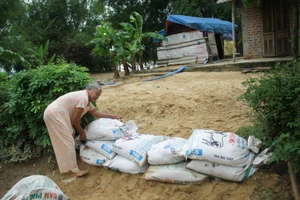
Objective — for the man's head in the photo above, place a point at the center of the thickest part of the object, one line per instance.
(94, 91)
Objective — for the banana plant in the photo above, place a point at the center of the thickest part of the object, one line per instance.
(12, 57)
(135, 45)
(111, 42)
(121, 49)
(40, 57)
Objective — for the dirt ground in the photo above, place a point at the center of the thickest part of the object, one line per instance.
(171, 106)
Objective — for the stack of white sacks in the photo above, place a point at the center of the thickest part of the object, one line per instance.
(118, 146)
(224, 155)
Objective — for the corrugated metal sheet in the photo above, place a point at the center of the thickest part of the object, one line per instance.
(222, 1)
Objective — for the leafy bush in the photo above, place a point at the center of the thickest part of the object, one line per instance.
(3, 82)
(275, 103)
(3, 96)
(28, 94)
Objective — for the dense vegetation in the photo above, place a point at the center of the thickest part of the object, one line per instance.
(69, 26)
(24, 97)
(275, 103)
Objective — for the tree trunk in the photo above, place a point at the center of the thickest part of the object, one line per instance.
(141, 59)
(116, 72)
(133, 63)
(296, 28)
(293, 182)
(124, 63)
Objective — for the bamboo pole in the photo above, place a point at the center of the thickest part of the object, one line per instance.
(233, 31)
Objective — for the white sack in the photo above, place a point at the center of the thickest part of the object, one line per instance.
(262, 158)
(228, 172)
(91, 157)
(122, 164)
(173, 173)
(135, 148)
(218, 147)
(109, 129)
(254, 144)
(103, 147)
(222, 171)
(166, 152)
(35, 187)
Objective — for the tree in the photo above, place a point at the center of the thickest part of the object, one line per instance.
(202, 8)
(40, 57)
(135, 45)
(8, 58)
(12, 36)
(296, 28)
(108, 41)
(119, 44)
(154, 14)
(69, 25)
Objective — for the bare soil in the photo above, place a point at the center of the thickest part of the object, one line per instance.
(171, 106)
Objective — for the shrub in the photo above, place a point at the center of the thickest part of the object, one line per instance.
(28, 94)
(275, 103)
(3, 95)
(3, 82)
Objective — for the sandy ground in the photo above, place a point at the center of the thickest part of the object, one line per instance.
(171, 106)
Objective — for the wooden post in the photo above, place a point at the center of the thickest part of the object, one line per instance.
(293, 182)
(296, 27)
(233, 31)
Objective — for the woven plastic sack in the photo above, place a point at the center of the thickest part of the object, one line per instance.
(166, 152)
(218, 147)
(91, 157)
(173, 173)
(35, 187)
(109, 129)
(103, 147)
(222, 171)
(228, 172)
(135, 148)
(121, 164)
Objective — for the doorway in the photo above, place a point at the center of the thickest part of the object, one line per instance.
(275, 28)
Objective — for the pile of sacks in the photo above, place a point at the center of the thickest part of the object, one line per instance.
(118, 146)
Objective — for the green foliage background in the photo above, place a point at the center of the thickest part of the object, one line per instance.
(275, 103)
(23, 134)
(70, 25)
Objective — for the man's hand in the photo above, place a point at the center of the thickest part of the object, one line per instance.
(117, 117)
(83, 138)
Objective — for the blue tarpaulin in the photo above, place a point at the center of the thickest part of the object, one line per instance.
(203, 24)
(168, 74)
(161, 32)
(106, 83)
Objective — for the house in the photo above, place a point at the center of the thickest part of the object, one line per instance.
(266, 28)
(192, 40)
